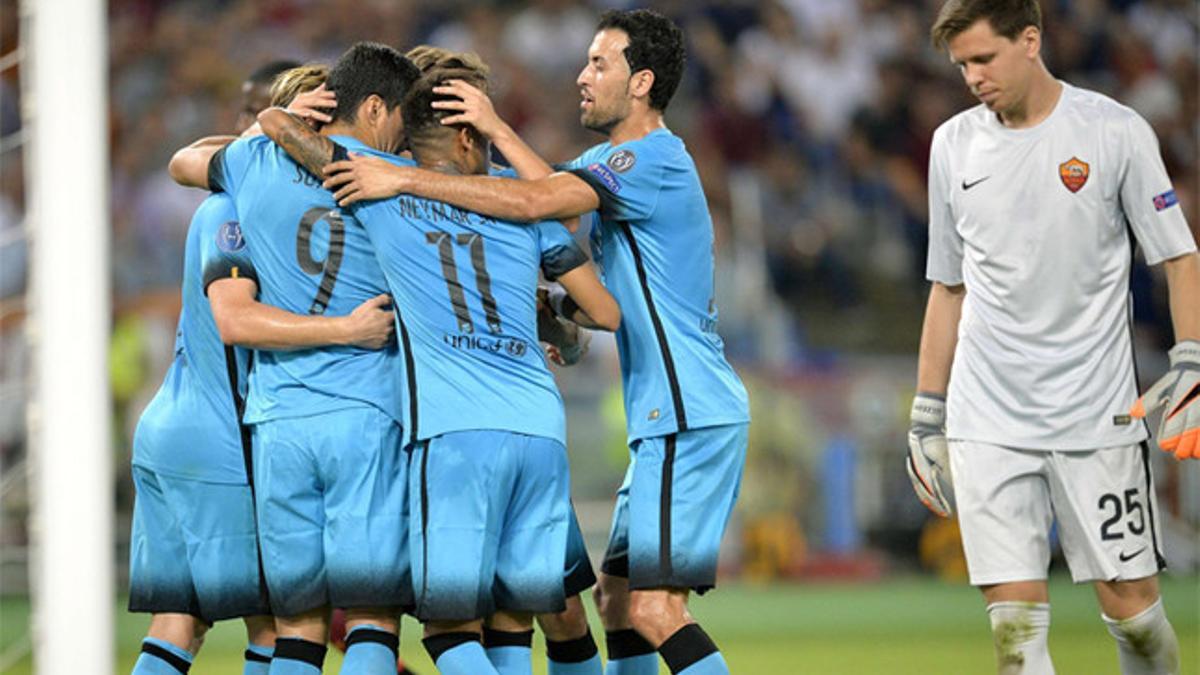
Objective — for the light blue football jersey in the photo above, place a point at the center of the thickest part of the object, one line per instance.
(191, 428)
(653, 241)
(465, 286)
(313, 258)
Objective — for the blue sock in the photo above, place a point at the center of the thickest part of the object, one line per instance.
(294, 656)
(160, 657)
(574, 657)
(258, 659)
(508, 651)
(713, 664)
(691, 651)
(458, 654)
(370, 650)
(630, 654)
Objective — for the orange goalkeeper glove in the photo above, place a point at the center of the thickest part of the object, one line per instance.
(1178, 395)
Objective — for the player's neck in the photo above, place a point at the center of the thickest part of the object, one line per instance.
(352, 130)
(1041, 99)
(637, 125)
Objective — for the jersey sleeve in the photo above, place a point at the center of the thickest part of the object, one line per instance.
(228, 166)
(560, 252)
(224, 254)
(626, 178)
(1147, 198)
(944, 264)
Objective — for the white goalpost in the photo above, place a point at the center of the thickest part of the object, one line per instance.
(65, 86)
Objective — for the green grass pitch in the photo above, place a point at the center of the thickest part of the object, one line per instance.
(899, 626)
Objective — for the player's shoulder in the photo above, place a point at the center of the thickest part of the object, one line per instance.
(962, 126)
(1092, 108)
(217, 208)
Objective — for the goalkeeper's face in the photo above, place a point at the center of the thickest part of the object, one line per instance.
(998, 70)
(604, 82)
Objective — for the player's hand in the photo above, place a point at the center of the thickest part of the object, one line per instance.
(928, 453)
(364, 177)
(472, 107)
(311, 106)
(1178, 395)
(370, 325)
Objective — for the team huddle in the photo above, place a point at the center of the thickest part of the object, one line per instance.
(360, 416)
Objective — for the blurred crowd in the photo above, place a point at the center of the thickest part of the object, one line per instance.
(810, 121)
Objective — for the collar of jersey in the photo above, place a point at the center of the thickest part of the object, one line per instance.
(1042, 126)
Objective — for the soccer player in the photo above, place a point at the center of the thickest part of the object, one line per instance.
(686, 409)
(331, 471)
(489, 499)
(194, 553)
(257, 92)
(1026, 372)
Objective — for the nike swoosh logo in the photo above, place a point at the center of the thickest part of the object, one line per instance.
(967, 186)
(1127, 557)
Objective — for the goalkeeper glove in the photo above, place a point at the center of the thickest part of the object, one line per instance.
(1178, 394)
(928, 453)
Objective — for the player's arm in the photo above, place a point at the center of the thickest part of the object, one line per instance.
(558, 196)
(189, 166)
(310, 149)
(1183, 287)
(244, 321)
(473, 107)
(584, 300)
(939, 338)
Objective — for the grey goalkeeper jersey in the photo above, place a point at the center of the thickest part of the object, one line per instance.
(1036, 223)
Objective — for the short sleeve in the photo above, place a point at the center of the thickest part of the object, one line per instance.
(944, 264)
(228, 166)
(560, 252)
(1147, 198)
(224, 254)
(627, 179)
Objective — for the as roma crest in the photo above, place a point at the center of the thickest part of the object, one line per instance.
(1074, 173)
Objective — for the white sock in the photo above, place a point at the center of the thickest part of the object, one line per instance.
(1019, 631)
(1146, 643)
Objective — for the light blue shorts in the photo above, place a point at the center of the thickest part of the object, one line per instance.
(193, 549)
(488, 526)
(673, 507)
(331, 509)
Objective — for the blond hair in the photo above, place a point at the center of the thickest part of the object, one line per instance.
(291, 83)
(428, 57)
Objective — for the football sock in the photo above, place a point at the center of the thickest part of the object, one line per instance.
(574, 657)
(370, 650)
(458, 654)
(629, 654)
(1019, 631)
(296, 656)
(509, 651)
(1146, 643)
(691, 651)
(160, 657)
(258, 659)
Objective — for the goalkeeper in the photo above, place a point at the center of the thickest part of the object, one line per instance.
(1026, 377)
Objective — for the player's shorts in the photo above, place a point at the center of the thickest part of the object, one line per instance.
(332, 510)
(673, 507)
(578, 575)
(194, 549)
(1103, 500)
(488, 525)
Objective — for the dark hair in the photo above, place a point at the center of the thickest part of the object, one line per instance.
(1007, 18)
(369, 68)
(655, 44)
(420, 117)
(265, 74)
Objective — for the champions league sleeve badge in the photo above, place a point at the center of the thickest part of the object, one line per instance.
(1074, 173)
(229, 237)
(622, 160)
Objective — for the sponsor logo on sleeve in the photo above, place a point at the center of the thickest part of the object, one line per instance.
(1074, 173)
(622, 160)
(1165, 201)
(229, 237)
(606, 176)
